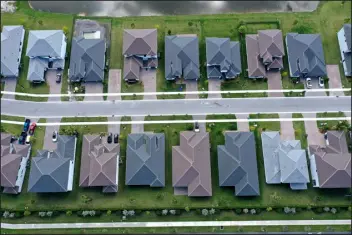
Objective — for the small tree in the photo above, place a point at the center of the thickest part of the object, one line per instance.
(131, 213)
(212, 211)
(253, 211)
(187, 209)
(125, 212)
(190, 23)
(333, 210)
(242, 29)
(287, 210)
(284, 74)
(164, 212)
(269, 209)
(205, 212)
(12, 215)
(169, 32)
(27, 213)
(85, 213)
(108, 212)
(245, 211)
(326, 209)
(49, 213)
(65, 29)
(172, 212)
(238, 211)
(92, 213)
(6, 214)
(68, 213)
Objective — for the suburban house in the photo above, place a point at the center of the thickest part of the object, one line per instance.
(305, 55)
(237, 163)
(264, 52)
(99, 163)
(223, 58)
(182, 57)
(331, 166)
(145, 160)
(46, 49)
(191, 173)
(140, 48)
(87, 61)
(344, 37)
(284, 161)
(14, 159)
(11, 50)
(52, 171)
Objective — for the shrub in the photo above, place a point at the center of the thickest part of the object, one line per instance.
(164, 212)
(189, 127)
(12, 215)
(18, 214)
(284, 74)
(160, 196)
(319, 210)
(40, 22)
(68, 213)
(131, 213)
(190, 23)
(132, 26)
(293, 210)
(178, 212)
(333, 210)
(253, 211)
(65, 29)
(269, 209)
(258, 210)
(108, 212)
(303, 28)
(212, 211)
(245, 210)
(238, 211)
(349, 208)
(199, 211)
(49, 213)
(287, 210)
(205, 212)
(158, 213)
(172, 212)
(169, 32)
(6, 214)
(284, 228)
(41, 214)
(242, 29)
(27, 213)
(326, 209)
(187, 209)
(295, 22)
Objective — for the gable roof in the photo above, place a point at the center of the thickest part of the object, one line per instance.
(333, 163)
(145, 160)
(11, 48)
(223, 55)
(237, 162)
(87, 59)
(255, 67)
(50, 170)
(347, 29)
(307, 51)
(45, 43)
(191, 164)
(140, 42)
(99, 162)
(284, 161)
(182, 56)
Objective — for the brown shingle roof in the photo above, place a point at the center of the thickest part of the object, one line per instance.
(140, 42)
(191, 164)
(255, 67)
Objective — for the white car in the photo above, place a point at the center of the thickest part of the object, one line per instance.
(309, 83)
(54, 137)
(196, 127)
(28, 140)
(321, 82)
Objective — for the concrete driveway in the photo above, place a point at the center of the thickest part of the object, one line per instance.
(286, 127)
(114, 86)
(315, 85)
(55, 88)
(137, 128)
(242, 126)
(148, 77)
(9, 85)
(334, 79)
(274, 83)
(214, 85)
(48, 143)
(193, 86)
(93, 87)
(314, 136)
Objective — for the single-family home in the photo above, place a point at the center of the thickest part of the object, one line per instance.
(182, 57)
(99, 163)
(87, 61)
(237, 163)
(140, 51)
(344, 37)
(11, 50)
(46, 49)
(191, 173)
(223, 58)
(14, 158)
(305, 55)
(145, 159)
(284, 161)
(52, 171)
(331, 166)
(264, 52)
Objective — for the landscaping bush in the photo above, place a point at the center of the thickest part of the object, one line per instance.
(68, 213)
(108, 212)
(245, 210)
(238, 211)
(333, 210)
(158, 212)
(19, 214)
(27, 213)
(199, 211)
(187, 209)
(318, 210)
(258, 210)
(205, 212)
(164, 212)
(269, 209)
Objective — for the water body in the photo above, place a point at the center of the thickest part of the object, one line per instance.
(149, 8)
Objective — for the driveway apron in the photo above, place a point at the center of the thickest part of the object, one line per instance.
(193, 86)
(10, 85)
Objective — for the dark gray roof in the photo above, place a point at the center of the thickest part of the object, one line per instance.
(333, 163)
(344, 37)
(347, 29)
(145, 163)
(11, 49)
(50, 171)
(237, 163)
(87, 59)
(181, 57)
(305, 55)
(46, 43)
(223, 56)
(284, 161)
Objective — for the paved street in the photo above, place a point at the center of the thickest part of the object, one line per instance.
(175, 107)
(193, 86)
(176, 224)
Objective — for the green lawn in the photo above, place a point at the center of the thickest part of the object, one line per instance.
(242, 83)
(300, 131)
(331, 124)
(288, 84)
(131, 88)
(2, 86)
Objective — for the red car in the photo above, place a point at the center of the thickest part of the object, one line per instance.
(32, 128)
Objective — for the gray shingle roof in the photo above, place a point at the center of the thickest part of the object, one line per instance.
(305, 55)
(11, 49)
(191, 164)
(145, 163)
(50, 171)
(223, 55)
(45, 43)
(284, 161)
(344, 38)
(181, 57)
(36, 69)
(87, 60)
(140, 42)
(99, 163)
(333, 163)
(237, 162)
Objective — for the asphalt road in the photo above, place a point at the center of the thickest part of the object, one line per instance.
(175, 107)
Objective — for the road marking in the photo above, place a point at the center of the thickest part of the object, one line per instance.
(181, 121)
(174, 92)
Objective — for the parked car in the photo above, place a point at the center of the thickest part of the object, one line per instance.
(109, 140)
(32, 128)
(58, 78)
(26, 125)
(54, 136)
(309, 83)
(321, 82)
(22, 138)
(28, 140)
(116, 138)
(196, 127)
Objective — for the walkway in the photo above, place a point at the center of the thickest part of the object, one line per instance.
(176, 224)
